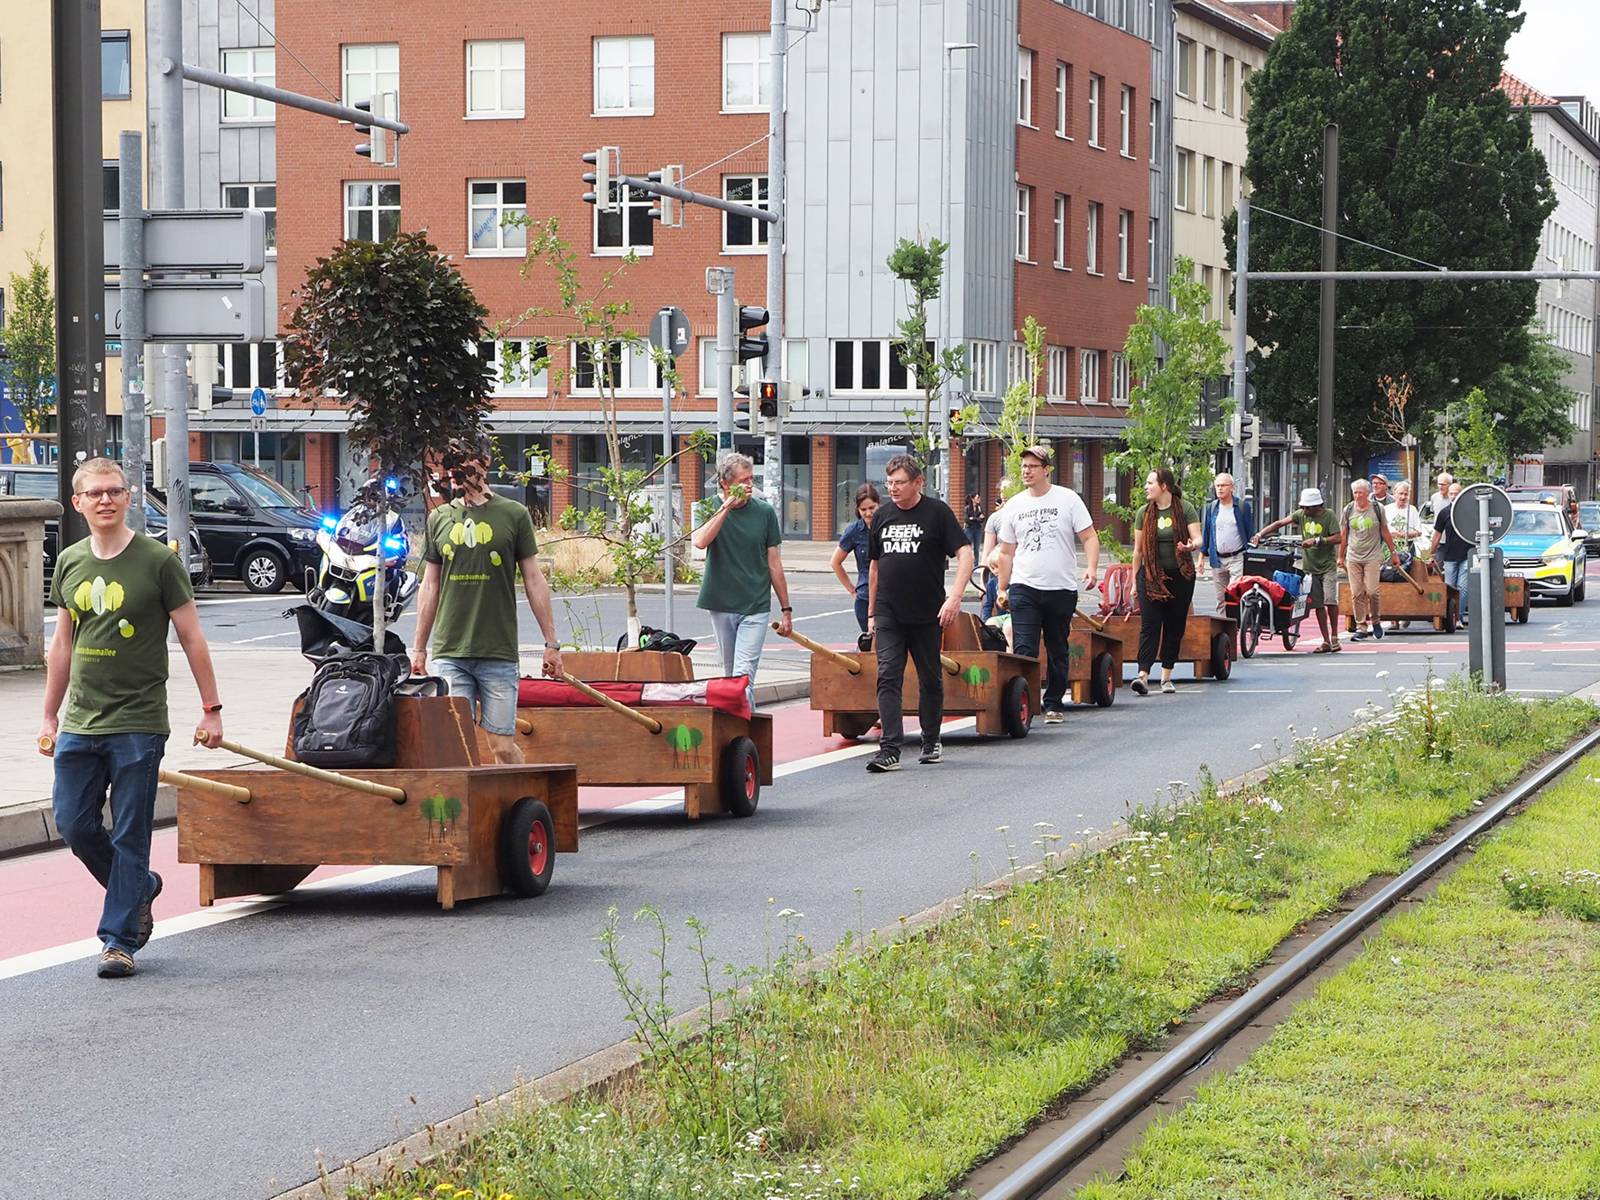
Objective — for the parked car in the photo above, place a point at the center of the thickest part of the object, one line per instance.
(254, 528)
(1589, 520)
(41, 483)
(1541, 548)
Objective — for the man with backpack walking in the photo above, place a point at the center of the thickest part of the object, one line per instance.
(478, 547)
(116, 593)
(1039, 580)
(1365, 531)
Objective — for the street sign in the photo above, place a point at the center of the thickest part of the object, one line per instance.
(258, 402)
(197, 310)
(676, 339)
(217, 239)
(257, 424)
(1464, 512)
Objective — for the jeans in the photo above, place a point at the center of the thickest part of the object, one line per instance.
(490, 686)
(1456, 574)
(894, 641)
(975, 540)
(1162, 622)
(86, 765)
(861, 612)
(991, 595)
(740, 637)
(1033, 611)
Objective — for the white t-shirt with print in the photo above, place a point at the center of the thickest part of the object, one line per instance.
(1044, 530)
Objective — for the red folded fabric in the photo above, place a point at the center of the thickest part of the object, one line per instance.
(730, 695)
(1244, 583)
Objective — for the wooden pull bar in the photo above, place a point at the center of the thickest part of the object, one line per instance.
(350, 782)
(524, 725)
(616, 706)
(853, 665)
(1097, 625)
(950, 665)
(194, 783)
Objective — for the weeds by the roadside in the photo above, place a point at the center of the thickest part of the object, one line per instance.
(891, 1068)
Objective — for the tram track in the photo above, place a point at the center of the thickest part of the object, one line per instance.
(1091, 1135)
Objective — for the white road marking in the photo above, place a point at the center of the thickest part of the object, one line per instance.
(267, 637)
(1347, 691)
(1260, 691)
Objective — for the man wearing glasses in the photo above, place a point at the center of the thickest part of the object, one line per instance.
(115, 594)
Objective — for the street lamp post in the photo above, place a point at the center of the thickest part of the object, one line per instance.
(950, 50)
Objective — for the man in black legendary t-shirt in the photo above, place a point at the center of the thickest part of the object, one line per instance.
(908, 604)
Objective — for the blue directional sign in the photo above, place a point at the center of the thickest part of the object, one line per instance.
(258, 402)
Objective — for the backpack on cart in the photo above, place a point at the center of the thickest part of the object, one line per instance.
(346, 716)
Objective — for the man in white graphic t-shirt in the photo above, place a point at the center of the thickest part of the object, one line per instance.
(1040, 529)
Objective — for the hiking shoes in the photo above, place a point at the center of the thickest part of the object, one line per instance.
(932, 754)
(115, 963)
(147, 918)
(884, 760)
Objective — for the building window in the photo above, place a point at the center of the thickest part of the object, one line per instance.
(1208, 279)
(1227, 83)
(981, 364)
(1186, 51)
(624, 76)
(1055, 374)
(489, 203)
(1024, 86)
(1244, 90)
(1089, 376)
(371, 211)
(1024, 233)
(1125, 118)
(1207, 172)
(116, 64)
(1092, 239)
(1229, 198)
(1096, 83)
(110, 185)
(1155, 119)
(874, 365)
(495, 79)
(1222, 301)
(1063, 212)
(1151, 248)
(746, 72)
(630, 229)
(708, 366)
(1017, 365)
(744, 235)
(256, 195)
(1208, 80)
(256, 66)
(1063, 100)
(521, 366)
(1124, 250)
(629, 367)
(1183, 182)
(369, 71)
(1119, 379)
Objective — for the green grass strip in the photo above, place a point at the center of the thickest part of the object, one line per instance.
(897, 1066)
(1457, 1059)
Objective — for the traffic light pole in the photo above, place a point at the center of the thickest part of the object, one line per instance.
(721, 279)
(130, 208)
(668, 513)
(1241, 297)
(166, 174)
(772, 470)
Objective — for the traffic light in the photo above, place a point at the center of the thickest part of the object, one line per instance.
(1250, 435)
(669, 211)
(741, 410)
(752, 345)
(767, 396)
(378, 147)
(607, 167)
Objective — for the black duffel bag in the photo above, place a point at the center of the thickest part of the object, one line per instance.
(346, 716)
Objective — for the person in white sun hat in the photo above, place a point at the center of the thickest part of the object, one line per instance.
(1320, 540)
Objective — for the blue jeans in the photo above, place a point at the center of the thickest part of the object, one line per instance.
(861, 612)
(1036, 612)
(1457, 575)
(991, 595)
(490, 686)
(86, 765)
(740, 637)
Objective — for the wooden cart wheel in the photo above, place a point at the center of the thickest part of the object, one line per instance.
(528, 847)
(1102, 679)
(854, 726)
(1522, 615)
(1016, 708)
(1221, 655)
(1451, 602)
(740, 778)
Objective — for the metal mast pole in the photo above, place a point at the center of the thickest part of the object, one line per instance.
(720, 279)
(131, 210)
(667, 522)
(772, 469)
(1241, 298)
(1330, 260)
(166, 155)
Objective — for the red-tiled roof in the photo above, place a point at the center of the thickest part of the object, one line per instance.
(1240, 16)
(1523, 95)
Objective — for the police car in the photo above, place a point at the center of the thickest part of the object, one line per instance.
(1543, 547)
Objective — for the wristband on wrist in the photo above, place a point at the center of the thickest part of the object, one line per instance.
(788, 610)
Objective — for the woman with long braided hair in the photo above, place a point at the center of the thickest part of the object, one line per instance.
(1163, 553)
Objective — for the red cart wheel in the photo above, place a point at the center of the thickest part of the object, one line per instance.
(1221, 656)
(528, 847)
(1102, 680)
(740, 781)
(1016, 708)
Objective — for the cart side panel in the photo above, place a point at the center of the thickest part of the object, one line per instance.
(628, 666)
(608, 748)
(429, 732)
(761, 734)
(221, 881)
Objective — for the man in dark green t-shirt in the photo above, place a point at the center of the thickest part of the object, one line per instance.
(1320, 538)
(743, 569)
(477, 546)
(116, 593)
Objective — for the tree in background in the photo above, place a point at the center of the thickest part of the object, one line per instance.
(30, 351)
(1533, 401)
(392, 329)
(920, 266)
(1434, 164)
(1479, 455)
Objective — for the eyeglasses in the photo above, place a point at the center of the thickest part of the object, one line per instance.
(99, 494)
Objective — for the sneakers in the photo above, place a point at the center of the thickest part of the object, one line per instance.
(1054, 716)
(115, 963)
(1140, 686)
(932, 754)
(884, 760)
(147, 918)
(1360, 635)
(1168, 688)
(1377, 630)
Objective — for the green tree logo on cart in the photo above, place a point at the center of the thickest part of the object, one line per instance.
(1075, 651)
(1435, 597)
(977, 679)
(685, 741)
(441, 811)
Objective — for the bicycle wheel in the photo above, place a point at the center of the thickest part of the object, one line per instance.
(1249, 628)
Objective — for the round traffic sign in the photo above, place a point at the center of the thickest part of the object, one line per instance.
(1464, 512)
(669, 331)
(258, 402)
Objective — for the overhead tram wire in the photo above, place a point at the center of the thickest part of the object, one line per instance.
(276, 42)
(1343, 237)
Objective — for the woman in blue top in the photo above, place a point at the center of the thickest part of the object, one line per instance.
(857, 539)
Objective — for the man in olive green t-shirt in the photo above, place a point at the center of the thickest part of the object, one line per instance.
(116, 593)
(476, 548)
(743, 569)
(1320, 539)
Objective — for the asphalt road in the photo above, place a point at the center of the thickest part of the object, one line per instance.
(349, 1018)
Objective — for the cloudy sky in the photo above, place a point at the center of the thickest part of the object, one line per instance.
(1556, 50)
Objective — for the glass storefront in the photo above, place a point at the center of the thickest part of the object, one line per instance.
(283, 455)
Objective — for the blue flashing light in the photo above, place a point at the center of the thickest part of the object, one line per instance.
(392, 484)
(330, 523)
(394, 543)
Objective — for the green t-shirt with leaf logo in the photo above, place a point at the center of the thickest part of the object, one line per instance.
(1319, 559)
(119, 608)
(1169, 533)
(479, 549)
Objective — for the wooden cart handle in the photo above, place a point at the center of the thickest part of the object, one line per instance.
(1408, 578)
(950, 665)
(853, 665)
(524, 725)
(213, 787)
(1097, 625)
(350, 782)
(616, 706)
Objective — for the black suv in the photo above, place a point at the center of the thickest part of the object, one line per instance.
(39, 483)
(253, 527)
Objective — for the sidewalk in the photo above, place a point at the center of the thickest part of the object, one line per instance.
(258, 688)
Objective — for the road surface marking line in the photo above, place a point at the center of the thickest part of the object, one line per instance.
(1260, 691)
(267, 637)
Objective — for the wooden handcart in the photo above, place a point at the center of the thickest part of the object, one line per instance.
(1422, 596)
(1519, 604)
(1209, 642)
(487, 828)
(1094, 666)
(1001, 690)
